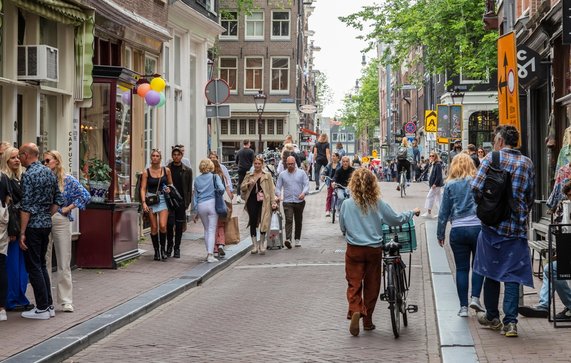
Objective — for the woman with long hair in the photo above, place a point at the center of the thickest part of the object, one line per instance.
(11, 173)
(258, 190)
(481, 154)
(321, 156)
(330, 170)
(458, 208)
(203, 204)
(435, 182)
(75, 196)
(361, 219)
(154, 180)
(220, 241)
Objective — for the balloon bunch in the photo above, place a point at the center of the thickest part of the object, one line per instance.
(152, 92)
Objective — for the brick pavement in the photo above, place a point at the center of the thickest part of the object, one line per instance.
(287, 306)
(98, 290)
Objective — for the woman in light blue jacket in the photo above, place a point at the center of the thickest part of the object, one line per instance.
(204, 204)
(459, 208)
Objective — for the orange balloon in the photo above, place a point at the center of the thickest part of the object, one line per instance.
(143, 89)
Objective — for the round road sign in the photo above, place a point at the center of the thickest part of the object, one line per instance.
(217, 91)
(410, 127)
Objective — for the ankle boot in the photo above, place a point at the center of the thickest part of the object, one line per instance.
(262, 244)
(155, 239)
(255, 243)
(169, 248)
(163, 240)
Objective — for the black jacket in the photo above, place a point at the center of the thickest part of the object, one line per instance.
(186, 191)
(436, 175)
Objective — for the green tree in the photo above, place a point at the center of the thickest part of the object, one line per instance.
(361, 109)
(449, 32)
(324, 94)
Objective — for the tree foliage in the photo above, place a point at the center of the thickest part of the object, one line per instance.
(324, 94)
(361, 109)
(450, 33)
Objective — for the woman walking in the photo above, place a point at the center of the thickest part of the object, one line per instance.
(435, 182)
(258, 190)
(155, 180)
(459, 208)
(321, 156)
(361, 219)
(75, 196)
(220, 241)
(204, 204)
(11, 172)
(330, 170)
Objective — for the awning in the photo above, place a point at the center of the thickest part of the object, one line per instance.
(308, 131)
(56, 10)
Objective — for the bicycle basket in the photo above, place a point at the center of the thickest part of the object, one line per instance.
(406, 235)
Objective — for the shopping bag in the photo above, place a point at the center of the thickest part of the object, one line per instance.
(232, 231)
(275, 222)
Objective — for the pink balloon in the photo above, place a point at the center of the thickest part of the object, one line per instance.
(153, 98)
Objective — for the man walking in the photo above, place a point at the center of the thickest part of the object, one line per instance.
(502, 253)
(244, 159)
(41, 199)
(295, 185)
(182, 180)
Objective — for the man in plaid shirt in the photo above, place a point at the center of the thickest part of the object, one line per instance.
(502, 254)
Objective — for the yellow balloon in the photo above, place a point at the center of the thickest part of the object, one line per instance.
(122, 88)
(158, 84)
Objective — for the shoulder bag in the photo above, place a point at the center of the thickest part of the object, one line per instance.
(153, 198)
(13, 211)
(259, 193)
(219, 203)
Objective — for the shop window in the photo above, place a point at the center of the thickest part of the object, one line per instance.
(280, 74)
(481, 126)
(255, 26)
(95, 123)
(280, 25)
(243, 127)
(122, 148)
(224, 127)
(233, 127)
(254, 73)
(252, 127)
(228, 70)
(279, 127)
(229, 21)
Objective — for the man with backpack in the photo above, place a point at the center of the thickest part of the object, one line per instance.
(504, 193)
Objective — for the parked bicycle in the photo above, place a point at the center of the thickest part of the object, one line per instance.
(396, 283)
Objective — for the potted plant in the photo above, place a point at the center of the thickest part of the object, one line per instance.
(99, 173)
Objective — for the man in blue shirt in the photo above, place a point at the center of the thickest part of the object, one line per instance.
(41, 198)
(295, 185)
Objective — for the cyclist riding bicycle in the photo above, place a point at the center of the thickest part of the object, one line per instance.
(361, 219)
(404, 158)
(342, 177)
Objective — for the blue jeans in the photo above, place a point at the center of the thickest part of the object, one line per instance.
(492, 297)
(463, 241)
(37, 241)
(561, 287)
(317, 171)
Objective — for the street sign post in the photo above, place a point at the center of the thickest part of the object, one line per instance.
(508, 97)
(217, 91)
(410, 127)
(218, 111)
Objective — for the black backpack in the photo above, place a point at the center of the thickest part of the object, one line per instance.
(494, 203)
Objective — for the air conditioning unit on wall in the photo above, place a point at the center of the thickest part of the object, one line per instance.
(38, 63)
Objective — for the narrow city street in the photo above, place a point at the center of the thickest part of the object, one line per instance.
(287, 306)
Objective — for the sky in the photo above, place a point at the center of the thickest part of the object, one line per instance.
(340, 54)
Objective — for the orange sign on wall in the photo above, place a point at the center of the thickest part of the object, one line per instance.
(508, 93)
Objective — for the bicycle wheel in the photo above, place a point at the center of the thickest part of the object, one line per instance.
(333, 206)
(393, 290)
(402, 185)
(401, 296)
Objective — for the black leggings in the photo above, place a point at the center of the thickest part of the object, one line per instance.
(403, 164)
(254, 209)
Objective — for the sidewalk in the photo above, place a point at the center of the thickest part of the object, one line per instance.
(96, 291)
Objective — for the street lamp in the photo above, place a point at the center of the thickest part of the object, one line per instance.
(260, 100)
(457, 95)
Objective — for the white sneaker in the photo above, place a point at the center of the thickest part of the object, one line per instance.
(37, 314)
(3, 316)
(426, 215)
(297, 243)
(463, 312)
(68, 308)
(52, 311)
(211, 259)
(475, 304)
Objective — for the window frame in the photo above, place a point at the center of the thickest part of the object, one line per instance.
(250, 91)
(233, 88)
(227, 28)
(247, 21)
(281, 37)
(279, 91)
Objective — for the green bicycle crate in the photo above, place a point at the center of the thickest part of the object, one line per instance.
(406, 235)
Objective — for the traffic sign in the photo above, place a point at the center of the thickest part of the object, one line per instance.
(508, 98)
(365, 159)
(217, 91)
(442, 140)
(219, 111)
(308, 109)
(375, 154)
(410, 127)
(430, 121)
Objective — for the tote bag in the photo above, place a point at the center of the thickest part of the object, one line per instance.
(219, 203)
(232, 231)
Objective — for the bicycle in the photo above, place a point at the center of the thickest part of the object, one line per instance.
(395, 280)
(334, 199)
(402, 183)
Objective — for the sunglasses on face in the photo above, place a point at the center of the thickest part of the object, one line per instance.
(46, 161)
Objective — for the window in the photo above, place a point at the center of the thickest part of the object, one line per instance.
(280, 75)
(262, 127)
(254, 72)
(128, 61)
(342, 137)
(243, 127)
(207, 4)
(252, 127)
(351, 137)
(228, 71)
(270, 126)
(280, 25)
(229, 20)
(233, 127)
(255, 26)
(224, 127)
(177, 59)
(279, 127)
(334, 138)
